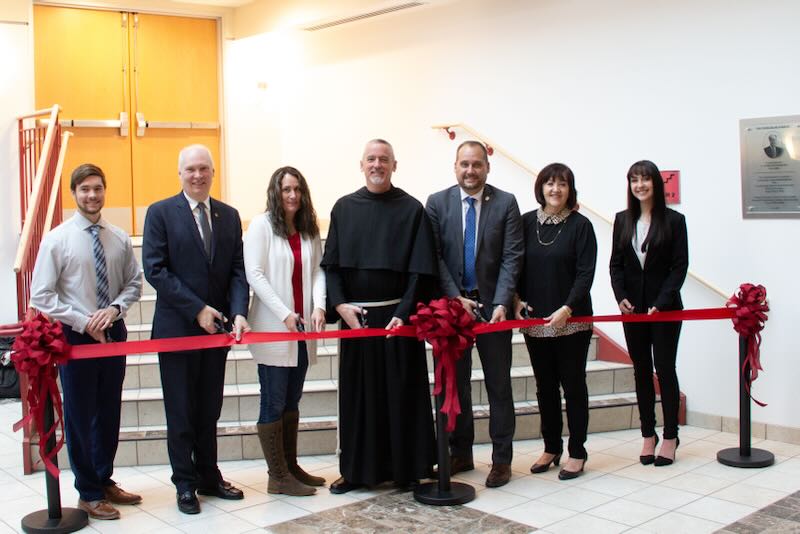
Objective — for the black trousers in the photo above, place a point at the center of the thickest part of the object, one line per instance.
(92, 399)
(193, 385)
(494, 351)
(656, 344)
(561, 361)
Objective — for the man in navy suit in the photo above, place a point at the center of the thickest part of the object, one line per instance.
(478, 233)
(192, 256)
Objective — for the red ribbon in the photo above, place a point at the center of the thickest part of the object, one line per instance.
(448, 327)
(38, 351)
(750, 307)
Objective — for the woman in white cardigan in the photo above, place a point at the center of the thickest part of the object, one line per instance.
(282, 253)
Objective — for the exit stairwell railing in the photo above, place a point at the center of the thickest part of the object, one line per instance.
(516, 161)
(42, 148)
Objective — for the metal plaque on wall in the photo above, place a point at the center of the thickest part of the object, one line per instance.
(770, 154)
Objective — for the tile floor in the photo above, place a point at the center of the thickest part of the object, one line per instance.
(616, 494)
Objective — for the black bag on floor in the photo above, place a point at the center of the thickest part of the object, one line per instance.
(9, 379)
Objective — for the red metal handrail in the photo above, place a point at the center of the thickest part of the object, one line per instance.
(39, 147)
(40, 161)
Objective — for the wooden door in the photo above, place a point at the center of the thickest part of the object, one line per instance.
(80, 63)
(176, 84)
(98, 65)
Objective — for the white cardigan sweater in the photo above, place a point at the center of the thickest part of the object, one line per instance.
(268, 263)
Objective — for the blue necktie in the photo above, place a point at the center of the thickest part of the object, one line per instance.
(103, 300)
(469, 247)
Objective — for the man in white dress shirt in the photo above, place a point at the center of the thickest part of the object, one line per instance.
(86, 276)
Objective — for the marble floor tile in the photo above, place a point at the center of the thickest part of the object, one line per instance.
(219, 523)
(627, 512)
(718, 510)
(532, 487)
(536, 513)
(614, 485)
(674, 523)
(746, 494)
(493, 500)
(586, 523)
(270, 513)
(576, 499)
(698, 483)
(663, 497)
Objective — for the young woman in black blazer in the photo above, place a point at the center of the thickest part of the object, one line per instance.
(649, 260)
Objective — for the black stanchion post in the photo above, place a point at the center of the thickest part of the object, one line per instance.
(54, 520)
(443, 492)
(744, 455)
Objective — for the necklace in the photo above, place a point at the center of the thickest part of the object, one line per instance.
(539, 239)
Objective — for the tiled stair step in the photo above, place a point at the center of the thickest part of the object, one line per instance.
(145, 406)
(239, 440)
(142, 370)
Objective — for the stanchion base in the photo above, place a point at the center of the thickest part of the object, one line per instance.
(757, 458)
(71, 519)
(459, 493)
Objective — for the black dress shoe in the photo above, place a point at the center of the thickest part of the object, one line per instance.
(343, 486)
(661, 461)
(647, 459)
(542, 468)
(569, 475)
(188, 503)
(223, 490)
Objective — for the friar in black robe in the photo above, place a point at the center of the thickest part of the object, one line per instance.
(380, 257)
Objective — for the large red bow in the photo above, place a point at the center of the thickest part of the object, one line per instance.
(447, 326)
(751, 314)
(38, 351)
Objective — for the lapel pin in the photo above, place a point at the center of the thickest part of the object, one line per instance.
(486, 199)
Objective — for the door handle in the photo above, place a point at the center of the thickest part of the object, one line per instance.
(122, 123)
(142, 124)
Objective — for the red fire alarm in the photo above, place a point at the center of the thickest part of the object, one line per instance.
(672, 186)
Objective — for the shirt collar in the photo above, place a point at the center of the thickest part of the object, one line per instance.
(84, 223)
(557, 218)
(477, 196)
(193, 203)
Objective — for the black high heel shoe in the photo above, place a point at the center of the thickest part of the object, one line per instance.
(661, 461)
(647, 459)
(541, 468)
(569, 475)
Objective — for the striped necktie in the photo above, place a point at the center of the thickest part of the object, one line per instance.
(205, 227)
(469, 247)
(103, 301)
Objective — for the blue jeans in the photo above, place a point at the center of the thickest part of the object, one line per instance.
(282, 387)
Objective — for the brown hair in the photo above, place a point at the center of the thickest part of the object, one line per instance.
(557, 171)
(305, 220)
(84, 171)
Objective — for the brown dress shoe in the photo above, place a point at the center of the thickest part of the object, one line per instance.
(101, 509)
(498, 476)
(459, 465)
(118, 495)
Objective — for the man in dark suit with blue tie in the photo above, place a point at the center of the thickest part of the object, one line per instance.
(478, 233)
(192, 256)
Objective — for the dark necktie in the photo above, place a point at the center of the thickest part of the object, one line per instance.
(469, 247)
(101, 273)
(205, 227)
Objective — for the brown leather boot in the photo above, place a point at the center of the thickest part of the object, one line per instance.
(291, 422)
(280, 479)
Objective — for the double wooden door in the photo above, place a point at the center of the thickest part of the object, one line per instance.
(134, 89)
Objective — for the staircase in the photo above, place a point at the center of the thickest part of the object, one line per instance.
(612, 400)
